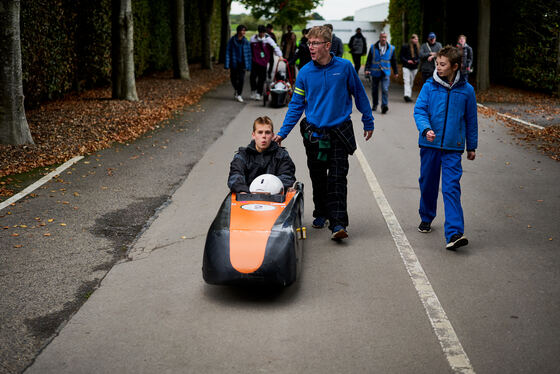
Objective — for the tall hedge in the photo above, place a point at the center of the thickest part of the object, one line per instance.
(524, 48)
(66, 44)
(49, 60)
(524, 36)
(412, 11)
(193, 27)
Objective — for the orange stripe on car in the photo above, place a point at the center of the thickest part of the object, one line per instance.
(250, 225)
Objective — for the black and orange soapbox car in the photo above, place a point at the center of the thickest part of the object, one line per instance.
(256, 238)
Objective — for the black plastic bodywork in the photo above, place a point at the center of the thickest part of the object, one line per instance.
(283, 253)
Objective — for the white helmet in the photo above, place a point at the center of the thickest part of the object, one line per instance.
(266, 183)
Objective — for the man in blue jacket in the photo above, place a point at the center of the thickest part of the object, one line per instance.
(324, 90)
(446, 118)
(381, 58)
(238, 59)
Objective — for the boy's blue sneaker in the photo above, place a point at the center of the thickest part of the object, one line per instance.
(319, 222)
(456, 241)
(339, 232)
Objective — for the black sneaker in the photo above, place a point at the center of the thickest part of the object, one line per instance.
(384, 109)
(407, 99)
(425, 227)
(319, 222)
(457, 240)
(374, 109)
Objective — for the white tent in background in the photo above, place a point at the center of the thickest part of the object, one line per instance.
(372, 20)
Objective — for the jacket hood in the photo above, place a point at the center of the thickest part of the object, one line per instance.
(255, 38)
(460, 79)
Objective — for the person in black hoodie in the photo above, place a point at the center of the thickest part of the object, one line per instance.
(358, 48)
(409, 60)
(261, 156)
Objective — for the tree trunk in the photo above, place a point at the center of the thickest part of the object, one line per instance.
(483, 50)
(225, 31)
(124, 84)
(13, 124)
(403, 25)
(558, 64)
(206, 7)
(180, 61)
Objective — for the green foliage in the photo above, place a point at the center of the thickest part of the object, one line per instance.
(348, 18)
(282, 12)
(316, 16)
(193, 30)
(535, 45)
(247, 20)
(412, 10)
(48, 48)
(66, 44)
(93, 44)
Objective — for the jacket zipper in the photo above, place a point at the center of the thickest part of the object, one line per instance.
(445, 123)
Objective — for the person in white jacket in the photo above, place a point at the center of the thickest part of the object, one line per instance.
(262, 47)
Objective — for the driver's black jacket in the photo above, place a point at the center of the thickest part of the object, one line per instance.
(248, 163)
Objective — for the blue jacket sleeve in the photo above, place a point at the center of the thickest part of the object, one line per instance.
(421, 110)
(472, 122)
(362, 102)
(295, 108)
(248, 57)
(228, 51)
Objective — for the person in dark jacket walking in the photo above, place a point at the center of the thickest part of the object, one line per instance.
(270, 32)
(381, 58)
(261, 156)
(302, 51)
(238, 59)
(466, 62)
(428, 52)
(446, 117)
(337, 47)
(409, 61)
(358, 48)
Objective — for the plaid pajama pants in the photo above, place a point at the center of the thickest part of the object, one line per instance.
(328, 179)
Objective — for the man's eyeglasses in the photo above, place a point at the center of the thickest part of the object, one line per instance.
(314, 44)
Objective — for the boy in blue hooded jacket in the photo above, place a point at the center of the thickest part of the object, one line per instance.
(446, 117)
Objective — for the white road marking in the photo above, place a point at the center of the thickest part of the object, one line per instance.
(40, 182)
(441, 325)
(514, 119)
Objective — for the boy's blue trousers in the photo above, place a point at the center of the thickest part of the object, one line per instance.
(434, 162)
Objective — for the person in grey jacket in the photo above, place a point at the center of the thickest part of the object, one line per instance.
(428, 52)
(467, 60)
(336, 44)
(358, 48)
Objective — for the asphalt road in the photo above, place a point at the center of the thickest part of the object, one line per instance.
(104, 201)
(355, 307)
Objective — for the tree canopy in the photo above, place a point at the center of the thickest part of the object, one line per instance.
(282, 12)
